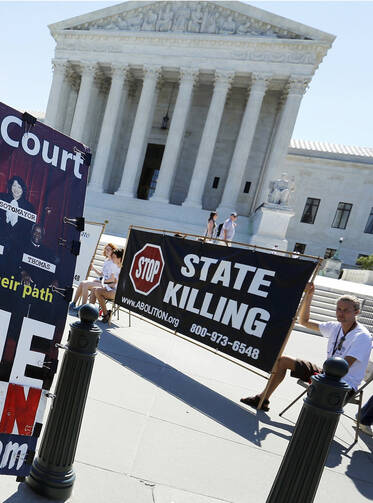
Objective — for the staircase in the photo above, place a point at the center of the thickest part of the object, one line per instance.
(324, 302)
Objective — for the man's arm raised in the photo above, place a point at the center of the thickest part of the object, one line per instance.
(304, 313)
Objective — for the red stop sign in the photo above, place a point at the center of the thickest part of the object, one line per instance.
(146, 269)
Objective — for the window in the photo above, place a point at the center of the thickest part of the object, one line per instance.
(215, 183)
(299, 247)
(341, 215)
(369, 225)
(360, 256)
(310, 210)
(329, 252)
(247, 187)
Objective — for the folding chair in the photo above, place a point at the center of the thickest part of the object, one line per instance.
(356, 399)
(115, 309)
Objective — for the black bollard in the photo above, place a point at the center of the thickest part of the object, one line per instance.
(52, 473)
(301, 469)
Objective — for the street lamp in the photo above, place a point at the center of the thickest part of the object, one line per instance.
(166, 118)
(336, 254)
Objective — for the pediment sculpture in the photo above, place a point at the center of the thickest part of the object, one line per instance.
(188, 17)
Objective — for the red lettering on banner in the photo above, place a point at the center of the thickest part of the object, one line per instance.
(18, 409)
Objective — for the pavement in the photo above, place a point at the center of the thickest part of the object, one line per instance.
(163, 424)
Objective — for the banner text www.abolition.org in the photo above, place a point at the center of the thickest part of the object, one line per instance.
(153, 311)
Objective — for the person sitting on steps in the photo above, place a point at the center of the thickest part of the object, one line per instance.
(109, 286)
(87, 285)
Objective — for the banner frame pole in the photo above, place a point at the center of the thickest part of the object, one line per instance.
(272, 374)
(246, 245)
(121, 264)
(98, 242)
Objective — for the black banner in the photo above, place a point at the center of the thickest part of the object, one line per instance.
(241, 301)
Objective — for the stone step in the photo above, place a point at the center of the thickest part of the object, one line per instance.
(306, 330)
(368, 322)
(317, 301)
(325, 310)
(327, 293)
(320, 317)
(320, 303)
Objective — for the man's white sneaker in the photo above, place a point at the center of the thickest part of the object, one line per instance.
(366, 429)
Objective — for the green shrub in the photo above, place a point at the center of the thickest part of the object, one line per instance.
(365, 262)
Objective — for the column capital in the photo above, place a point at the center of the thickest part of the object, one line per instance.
(88, 68)
(297, 85)
(73, 79)
(118, 71)
(260, 82)
(60, 65)
(223, 79)
(152, 72)
(188, 75)
(132, 87)
(103, 84)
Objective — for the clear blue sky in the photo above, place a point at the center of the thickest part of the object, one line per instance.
(337, 108)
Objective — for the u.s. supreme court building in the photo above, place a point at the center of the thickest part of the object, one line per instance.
(190, 107)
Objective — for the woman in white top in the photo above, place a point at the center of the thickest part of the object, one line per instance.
(87, 285)
(109, 286)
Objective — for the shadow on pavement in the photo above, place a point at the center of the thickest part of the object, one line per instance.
(25, 494)
(360, 472)
(241, 421)
(368, 441)
(244, 422)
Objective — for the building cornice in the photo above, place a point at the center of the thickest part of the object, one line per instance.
(308, 52)
(330, 156)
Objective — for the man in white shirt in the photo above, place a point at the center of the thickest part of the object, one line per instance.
(348, 339)
(229, 228)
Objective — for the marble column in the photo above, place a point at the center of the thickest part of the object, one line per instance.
(140, 132)
(223, 81)
(116, 101)
(58, 95)
(259, 84)
(175, 136)
(79, 125)
(294, 92)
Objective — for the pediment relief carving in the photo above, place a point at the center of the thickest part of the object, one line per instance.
(188, 17)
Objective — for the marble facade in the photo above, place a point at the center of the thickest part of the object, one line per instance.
(332, 174)
(230, 78)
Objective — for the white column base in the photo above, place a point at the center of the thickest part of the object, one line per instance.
(269, 225)
(95, 188)
(158, 199)
(123, 193)
(191, 204)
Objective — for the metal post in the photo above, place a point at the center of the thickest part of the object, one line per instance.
(301, 469)
(52, 473)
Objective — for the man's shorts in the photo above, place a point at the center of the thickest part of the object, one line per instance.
(304, 370)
